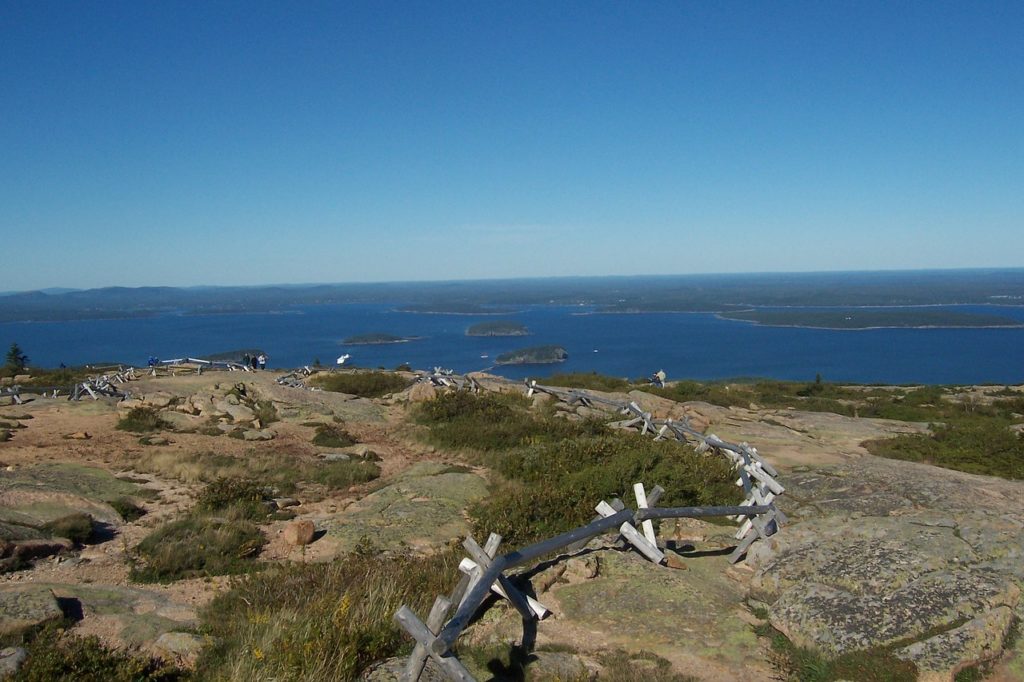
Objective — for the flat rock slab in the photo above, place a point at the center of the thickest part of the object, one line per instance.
(24, 607)
(423, 508)
(695, 618)
(44, 492)
(925, 561)
(135, 617)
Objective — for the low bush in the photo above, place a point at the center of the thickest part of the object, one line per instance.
(493, 422)
(588, 380)
(54, 654)
(319, 621)
(244, 498)
(807, 665)
(342, 474)
(75, 527)
(197, 546)
(284, 474)
(554, 487)
(978, 446)
(365, 384)
(553, 471)
(333, 436)
(127, 508)
(141, 420)
(265, 411)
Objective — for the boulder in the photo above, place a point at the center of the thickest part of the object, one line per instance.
(335, 456)
(422, 392)
(253, 435)
(26, 607)
(158, 400)
(180, 421)
(240, 413)
(582, 568)
(557, 665)
(11, 660)
(36, 548)
(79, 435)
(181, 648)
(299, 532)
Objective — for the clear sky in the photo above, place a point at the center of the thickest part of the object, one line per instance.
(183, 143)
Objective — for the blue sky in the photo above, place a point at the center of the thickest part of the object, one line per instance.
(185, 143)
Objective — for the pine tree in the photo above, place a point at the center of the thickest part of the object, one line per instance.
(16, 358)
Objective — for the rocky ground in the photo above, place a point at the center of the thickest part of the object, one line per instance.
(877, 552)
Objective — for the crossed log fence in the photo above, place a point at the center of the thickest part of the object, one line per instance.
(484, 572)
(110, 381)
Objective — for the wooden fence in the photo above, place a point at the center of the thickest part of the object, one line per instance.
(485, 572)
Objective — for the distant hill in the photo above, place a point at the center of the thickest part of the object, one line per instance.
(690, 293)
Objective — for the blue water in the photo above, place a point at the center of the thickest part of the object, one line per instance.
(685, 345)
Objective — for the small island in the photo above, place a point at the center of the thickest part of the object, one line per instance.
(376, 339)
(498, 328)
(537, 355)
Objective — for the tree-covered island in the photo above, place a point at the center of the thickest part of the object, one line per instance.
(498, 328)
(376, 339)
(536, 355)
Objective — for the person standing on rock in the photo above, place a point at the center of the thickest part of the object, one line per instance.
(263, 361)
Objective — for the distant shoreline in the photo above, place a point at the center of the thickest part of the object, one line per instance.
(758, 323)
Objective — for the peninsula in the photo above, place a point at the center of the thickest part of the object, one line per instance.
(870, 318)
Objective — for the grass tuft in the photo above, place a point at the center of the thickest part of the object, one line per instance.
(333, 436)
(141, 420)
(75, 527)
(319, 621)
(197, 546)
(54, 654)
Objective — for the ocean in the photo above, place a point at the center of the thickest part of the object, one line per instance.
(684, 345)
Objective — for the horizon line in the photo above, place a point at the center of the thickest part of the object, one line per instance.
(64, 290)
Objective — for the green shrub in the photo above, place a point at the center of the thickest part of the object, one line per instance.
(197, 546)
(5, 435)
(141, 420)
(977, 446)
(807, 665)
(283, 474)
(75, 527)
(127, 508)
(342, 474)
(244, 498)
(492, 422)
(554, 487)
(57, 655)
(333, 436)
(265, 411)
(365, 384)
(320, 621)
(588, 380)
